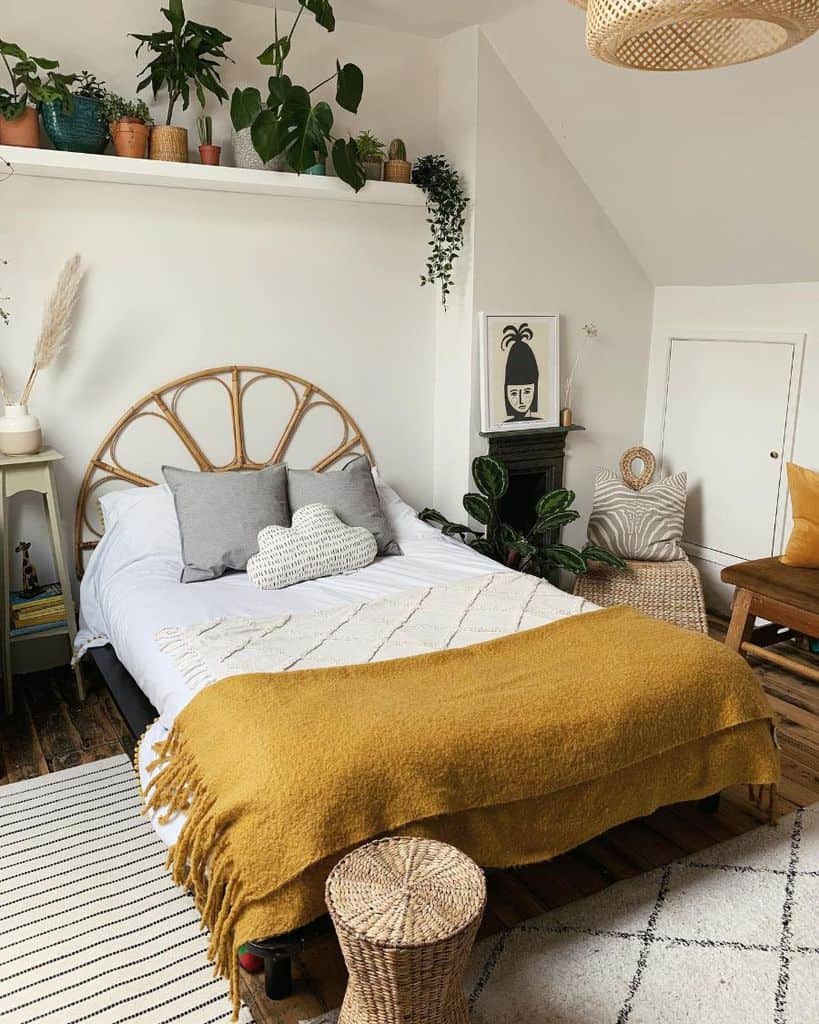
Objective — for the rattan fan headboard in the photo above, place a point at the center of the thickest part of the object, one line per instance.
(162, 404)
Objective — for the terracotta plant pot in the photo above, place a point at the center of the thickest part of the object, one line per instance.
(130, 137)
(210, 155)
(25, 131)
(399, 171)
(169, 143)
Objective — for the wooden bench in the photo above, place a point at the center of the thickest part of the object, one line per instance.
(786, 596)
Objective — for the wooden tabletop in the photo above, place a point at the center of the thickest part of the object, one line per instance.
(786, 583)
(44, 455)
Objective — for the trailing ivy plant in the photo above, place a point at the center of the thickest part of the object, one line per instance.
(534, 552)
(27, 84)
(188, 54)
(446, 208)
(288, 123)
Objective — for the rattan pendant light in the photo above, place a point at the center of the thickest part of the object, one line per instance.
(674, 35)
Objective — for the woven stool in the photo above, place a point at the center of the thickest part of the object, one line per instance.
(406, 912)
(664, 590)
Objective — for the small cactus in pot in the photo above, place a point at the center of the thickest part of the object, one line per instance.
(208, 153)
(397, 167)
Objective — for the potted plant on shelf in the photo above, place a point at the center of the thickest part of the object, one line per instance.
(19, 118)
(208, 153)
(188, 55)
(397, 168)
(446, 208)
(78, 124)
(129, 122)
(371, 153)
(288, 127)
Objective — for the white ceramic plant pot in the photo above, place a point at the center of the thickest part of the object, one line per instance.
(245, 155)
(20, 432)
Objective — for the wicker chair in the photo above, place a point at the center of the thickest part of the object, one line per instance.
(664, 590)
(406, 912)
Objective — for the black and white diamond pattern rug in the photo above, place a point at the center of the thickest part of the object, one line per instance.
(729, 936)
(92, 929)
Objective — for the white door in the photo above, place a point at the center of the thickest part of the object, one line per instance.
(728, 425)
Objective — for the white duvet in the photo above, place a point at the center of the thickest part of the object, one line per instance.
(131, 593)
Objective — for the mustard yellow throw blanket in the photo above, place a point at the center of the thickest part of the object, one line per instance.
(514, 750)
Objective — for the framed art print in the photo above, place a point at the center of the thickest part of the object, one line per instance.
(520, 373)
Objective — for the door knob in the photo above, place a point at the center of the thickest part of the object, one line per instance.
(774, 455)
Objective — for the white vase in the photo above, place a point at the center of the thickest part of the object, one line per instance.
(20, 432)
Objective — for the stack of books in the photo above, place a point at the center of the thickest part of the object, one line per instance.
(36, 614)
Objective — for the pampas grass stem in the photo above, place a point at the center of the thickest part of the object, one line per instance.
(56, 321)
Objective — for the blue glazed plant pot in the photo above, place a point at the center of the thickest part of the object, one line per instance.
(80, 129)
(317, 169)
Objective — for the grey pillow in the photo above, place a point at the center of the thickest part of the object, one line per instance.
(220, 516)
(351, 493)
(645, 525)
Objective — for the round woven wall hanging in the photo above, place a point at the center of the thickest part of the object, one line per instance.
(673, 35)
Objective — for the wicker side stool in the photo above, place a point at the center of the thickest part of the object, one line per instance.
(664, 590)
(406, 912)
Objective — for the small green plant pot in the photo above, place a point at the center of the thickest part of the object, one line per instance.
(80, 129)
(317, 169)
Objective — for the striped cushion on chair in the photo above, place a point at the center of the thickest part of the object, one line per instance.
(645, 524)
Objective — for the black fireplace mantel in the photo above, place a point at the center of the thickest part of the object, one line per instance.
(534, 459)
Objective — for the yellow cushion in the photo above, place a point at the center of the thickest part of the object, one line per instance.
(803, 547)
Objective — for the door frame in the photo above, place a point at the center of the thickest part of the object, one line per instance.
(796, 340)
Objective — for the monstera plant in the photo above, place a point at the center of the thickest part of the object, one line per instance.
(536, 551)
(288, 123)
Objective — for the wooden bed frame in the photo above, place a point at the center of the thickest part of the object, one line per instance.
(106, 468)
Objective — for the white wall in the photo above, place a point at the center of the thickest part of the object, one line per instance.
(778, 308)
(455, 350)
(710, 176)
(179, 281)
(543, 244)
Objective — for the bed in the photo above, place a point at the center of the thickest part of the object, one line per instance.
(135, 614)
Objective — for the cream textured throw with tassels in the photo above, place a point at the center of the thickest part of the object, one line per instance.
(410, 622)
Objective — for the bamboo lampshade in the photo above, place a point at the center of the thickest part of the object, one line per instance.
(674, 35)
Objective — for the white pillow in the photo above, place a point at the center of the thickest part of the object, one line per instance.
(316, 544)
(146, 515)
(403, 519)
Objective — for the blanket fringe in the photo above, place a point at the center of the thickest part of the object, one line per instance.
(200, 860)
(173, 641)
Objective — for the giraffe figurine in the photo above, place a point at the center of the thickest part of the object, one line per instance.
(31, 585)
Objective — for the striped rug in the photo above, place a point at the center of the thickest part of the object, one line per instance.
(92, 929)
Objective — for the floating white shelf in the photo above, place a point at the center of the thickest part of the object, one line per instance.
(47, 163)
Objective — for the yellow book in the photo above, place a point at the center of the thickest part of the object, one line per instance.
(39, 618)
(27, 612)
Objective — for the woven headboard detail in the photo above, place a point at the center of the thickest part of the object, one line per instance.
(106, 467)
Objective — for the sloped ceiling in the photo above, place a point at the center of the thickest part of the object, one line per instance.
(710, 177)
(422, 17)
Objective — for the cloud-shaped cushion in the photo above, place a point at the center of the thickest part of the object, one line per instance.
(317, 544)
